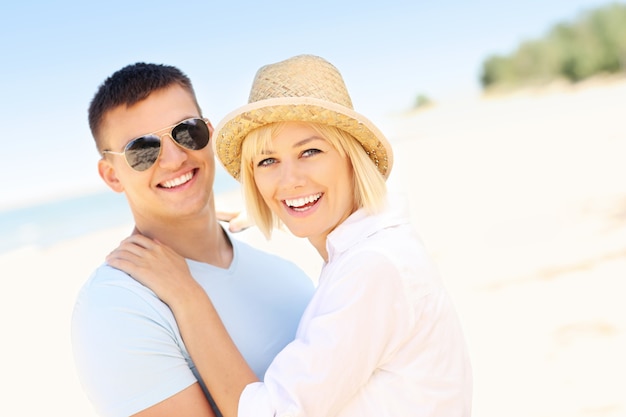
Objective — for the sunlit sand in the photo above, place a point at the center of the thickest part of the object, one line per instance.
(521, 201)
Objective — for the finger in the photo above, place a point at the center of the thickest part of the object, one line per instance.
(226, 216)
(131, 252)
(123, 256)
(123, 264)
(141, 241)
(240, 222)
(134, 248)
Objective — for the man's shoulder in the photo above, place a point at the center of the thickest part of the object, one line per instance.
(108, 288)
(108, 278)
(116, 307)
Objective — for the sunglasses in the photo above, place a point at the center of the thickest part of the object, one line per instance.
(141, 153)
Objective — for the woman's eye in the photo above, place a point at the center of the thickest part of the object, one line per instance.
(266, 162)
(310, 152)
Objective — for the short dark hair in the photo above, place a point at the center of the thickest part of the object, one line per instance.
(129, 86)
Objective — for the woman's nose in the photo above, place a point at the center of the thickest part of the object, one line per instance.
(291, 174)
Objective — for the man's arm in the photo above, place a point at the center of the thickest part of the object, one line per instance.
(128, 353)
(187, 403)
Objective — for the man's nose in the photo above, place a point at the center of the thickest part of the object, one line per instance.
(172, 155)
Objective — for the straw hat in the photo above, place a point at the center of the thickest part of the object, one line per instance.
(304, 88)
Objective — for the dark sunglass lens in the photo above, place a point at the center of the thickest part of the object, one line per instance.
(143, 152)
(192, 134)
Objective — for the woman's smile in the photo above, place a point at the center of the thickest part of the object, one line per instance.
(305, 181)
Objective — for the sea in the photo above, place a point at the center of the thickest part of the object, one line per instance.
(51, 221)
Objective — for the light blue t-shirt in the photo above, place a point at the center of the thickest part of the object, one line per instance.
(129, 353)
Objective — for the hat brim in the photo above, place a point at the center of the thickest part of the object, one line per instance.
(231, 131)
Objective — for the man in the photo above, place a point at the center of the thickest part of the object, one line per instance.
(130, 356)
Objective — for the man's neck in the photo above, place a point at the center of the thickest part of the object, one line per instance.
(202, 239)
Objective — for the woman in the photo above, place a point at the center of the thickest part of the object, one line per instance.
(380, 336)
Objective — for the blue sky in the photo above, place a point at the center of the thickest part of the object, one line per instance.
(55, 54)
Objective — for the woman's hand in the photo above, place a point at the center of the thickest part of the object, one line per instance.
(237, 220)
(156, 266)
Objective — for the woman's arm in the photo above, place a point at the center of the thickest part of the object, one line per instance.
(346, 334)
(221, 365)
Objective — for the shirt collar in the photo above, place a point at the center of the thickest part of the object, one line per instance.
(360, 225)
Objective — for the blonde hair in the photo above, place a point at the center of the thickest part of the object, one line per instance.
(370, 190)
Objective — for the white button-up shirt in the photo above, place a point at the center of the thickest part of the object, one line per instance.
(379, 338)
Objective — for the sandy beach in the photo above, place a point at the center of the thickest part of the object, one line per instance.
(520, 199)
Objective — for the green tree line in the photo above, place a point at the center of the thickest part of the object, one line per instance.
(593, 44)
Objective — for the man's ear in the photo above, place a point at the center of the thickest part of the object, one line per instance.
(109, 175)
(211, 129)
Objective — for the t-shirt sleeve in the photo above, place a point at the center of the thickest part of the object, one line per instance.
(127, 350)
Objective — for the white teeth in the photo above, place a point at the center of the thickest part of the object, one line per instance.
(299, 202)
(178, 181)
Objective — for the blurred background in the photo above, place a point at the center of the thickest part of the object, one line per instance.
(506, 119)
